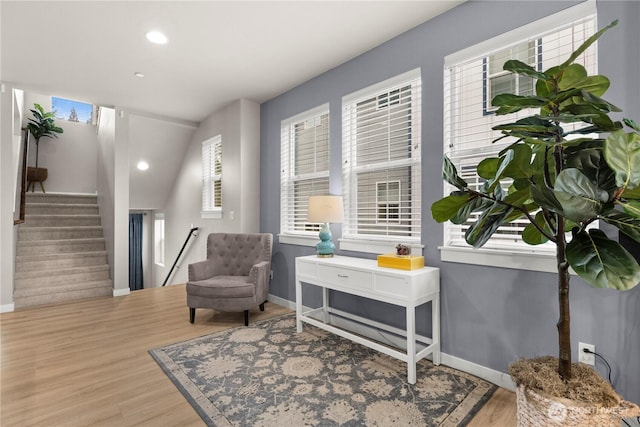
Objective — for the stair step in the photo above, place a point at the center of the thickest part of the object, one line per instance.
(41, 247)
(61, 209)
(58, 233)
(54, 295)
(44, 278)
(60, 220)
(62, 198)
(62, 260)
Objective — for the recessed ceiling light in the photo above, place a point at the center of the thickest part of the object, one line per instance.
(138, 74)
(157, 37)
(142, 165)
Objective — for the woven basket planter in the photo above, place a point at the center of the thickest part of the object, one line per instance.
(535, 410)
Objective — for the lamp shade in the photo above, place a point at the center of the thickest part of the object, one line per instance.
(325, 209)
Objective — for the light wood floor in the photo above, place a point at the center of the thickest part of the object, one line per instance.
(86, 363)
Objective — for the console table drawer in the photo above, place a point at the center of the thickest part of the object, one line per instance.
(354, 279)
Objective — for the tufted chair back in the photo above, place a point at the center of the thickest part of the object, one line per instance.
(235, 254)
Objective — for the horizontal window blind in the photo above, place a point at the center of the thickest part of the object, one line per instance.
(381, 161)
(212, 174)
(305, 168)
(468, 133)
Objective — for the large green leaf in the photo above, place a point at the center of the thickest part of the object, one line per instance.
(519, 101)
(520, 67)
(580, 198)
(519, 197)
(571, 75)
(532, 235)
(629, 225)
(622, 153)
(632, 207)
(631, 193)
(601, 262)
(520, 166)
(504, 163)
(487, 167)
(591, 162)
(633, 125)
(584, 46)
(448, 207)
(598, 102)
(481, 230)
(545, 198)
(475, 204)
(596, 85)
(450, 174)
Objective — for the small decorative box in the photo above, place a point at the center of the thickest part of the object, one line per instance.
(402, 262)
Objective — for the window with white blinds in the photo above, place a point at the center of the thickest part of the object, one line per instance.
(468, 133)
(381, 161)
(212, 177)
(304, 169)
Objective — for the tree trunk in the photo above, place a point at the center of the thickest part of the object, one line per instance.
(564, 331)
(37, 145)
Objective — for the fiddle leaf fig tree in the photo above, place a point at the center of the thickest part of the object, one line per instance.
(560, 180)
(42, 125)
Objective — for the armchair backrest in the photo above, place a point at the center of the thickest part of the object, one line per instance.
(235, 253)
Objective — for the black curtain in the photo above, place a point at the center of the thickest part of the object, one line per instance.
(135, 252)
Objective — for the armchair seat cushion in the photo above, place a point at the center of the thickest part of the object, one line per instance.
(222, 287)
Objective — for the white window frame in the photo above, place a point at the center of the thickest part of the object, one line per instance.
(211, 150)
(158, 237)
(369, 243)
(517, 256)
(288, 204)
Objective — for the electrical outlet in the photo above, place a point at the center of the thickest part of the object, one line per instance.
(271, 275)
(586, 358)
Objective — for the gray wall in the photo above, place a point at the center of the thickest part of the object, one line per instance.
(490, 316)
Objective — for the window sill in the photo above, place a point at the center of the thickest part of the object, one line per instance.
(301, 240)
(520, 260)
(377, 246)
(217, 214)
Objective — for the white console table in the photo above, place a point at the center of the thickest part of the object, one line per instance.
(363, 277)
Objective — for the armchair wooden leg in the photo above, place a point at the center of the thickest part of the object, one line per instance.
(192, 315)
(262, 307)
(246, 318)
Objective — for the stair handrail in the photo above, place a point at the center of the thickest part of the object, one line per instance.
(23, 177)
(191, 232)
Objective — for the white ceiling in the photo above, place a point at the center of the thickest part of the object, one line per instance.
(218, 51)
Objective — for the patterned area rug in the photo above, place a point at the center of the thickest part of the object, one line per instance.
(269, 375)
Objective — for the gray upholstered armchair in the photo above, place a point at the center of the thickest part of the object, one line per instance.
(235, 275)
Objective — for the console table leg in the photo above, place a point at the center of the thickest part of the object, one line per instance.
(298, 306)
(411, 344)
(325, 304)
(435, 325)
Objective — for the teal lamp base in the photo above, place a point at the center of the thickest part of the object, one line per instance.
(325, 247)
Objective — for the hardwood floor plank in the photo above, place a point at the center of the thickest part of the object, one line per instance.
(86, 363)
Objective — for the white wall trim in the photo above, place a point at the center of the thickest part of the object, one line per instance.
(296, 239)
(121, 292)
(498, 378)
(7, 308)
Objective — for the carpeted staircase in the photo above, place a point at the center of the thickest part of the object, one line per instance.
(60, 253)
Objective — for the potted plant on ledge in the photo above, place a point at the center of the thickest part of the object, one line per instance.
(41, 125)
(561, 182)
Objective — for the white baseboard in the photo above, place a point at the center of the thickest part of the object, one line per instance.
(498, 378)
(121, 292)
(7, 308)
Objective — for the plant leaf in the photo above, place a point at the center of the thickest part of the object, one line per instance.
(584, 46)
(631, 193)
(622, 153)
(487, 167)
(601, 262)
(581, 199)
(511, 100)
(481, 230)
(448, 207)
(631, 207)
(633, 125)
(629, 225)
(532, 235)
(520, 67)
(591, 162)
(450, 174)
(546, 199)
